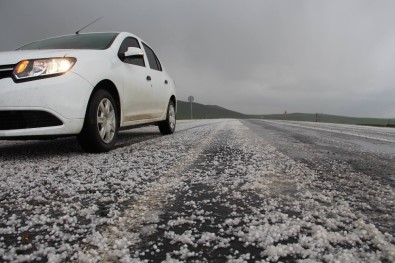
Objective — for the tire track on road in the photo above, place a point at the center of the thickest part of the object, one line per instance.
(124, 233)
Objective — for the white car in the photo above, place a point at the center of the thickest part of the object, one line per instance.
(89, 85)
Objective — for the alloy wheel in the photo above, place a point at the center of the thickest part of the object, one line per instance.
(106, 120)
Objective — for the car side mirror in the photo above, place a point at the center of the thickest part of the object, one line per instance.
(133, 51)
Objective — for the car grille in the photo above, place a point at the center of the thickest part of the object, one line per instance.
(6, 71)
(21, 119)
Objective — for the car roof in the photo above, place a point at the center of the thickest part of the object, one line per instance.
(123, 33)
(86, 33)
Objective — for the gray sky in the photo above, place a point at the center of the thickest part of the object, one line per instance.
(335, 57)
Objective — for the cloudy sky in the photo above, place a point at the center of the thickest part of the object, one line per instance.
(335, 57)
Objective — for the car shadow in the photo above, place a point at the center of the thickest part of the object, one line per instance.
(127, 138)
(32, 149)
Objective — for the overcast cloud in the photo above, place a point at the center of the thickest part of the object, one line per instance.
(335, 57)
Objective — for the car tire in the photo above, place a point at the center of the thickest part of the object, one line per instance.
(168, 126)
(101, 125)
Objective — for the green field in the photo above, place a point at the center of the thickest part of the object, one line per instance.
(201, 111)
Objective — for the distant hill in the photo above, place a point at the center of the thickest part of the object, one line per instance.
(331, 119)
(201, 111)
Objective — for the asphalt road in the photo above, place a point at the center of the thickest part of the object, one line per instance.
(350, 152)
(215, 191)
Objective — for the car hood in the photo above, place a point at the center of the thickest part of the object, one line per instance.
(13, 57)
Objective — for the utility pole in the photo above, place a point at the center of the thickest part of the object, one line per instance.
(191, 99)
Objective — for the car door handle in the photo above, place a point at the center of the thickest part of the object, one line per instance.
(166, 81)
(148, 78)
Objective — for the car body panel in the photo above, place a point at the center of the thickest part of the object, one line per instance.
(49, 93)
(137, 92)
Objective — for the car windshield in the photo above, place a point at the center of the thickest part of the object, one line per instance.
(77, 41)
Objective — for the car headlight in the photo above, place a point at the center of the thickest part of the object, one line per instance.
(42, 68)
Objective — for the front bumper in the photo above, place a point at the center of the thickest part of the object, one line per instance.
(65, 97)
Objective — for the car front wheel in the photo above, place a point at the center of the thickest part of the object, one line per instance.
(168, 126)
(101, 123)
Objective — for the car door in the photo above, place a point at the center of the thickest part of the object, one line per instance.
(159, 82)
(138, 91)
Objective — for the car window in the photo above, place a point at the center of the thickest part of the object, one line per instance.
(152, 58)
(158, 63)
(136, 60)
(77, 41)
